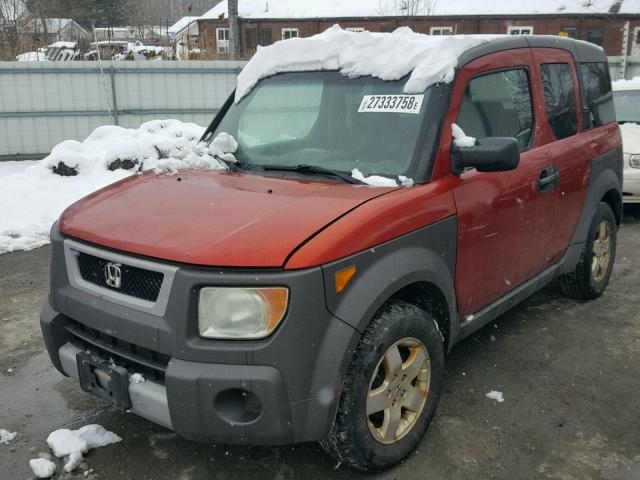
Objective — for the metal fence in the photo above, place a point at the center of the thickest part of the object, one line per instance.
(44, 103)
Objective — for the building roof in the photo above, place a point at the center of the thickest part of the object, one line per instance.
(302, 9)
(54, 25)
(181, 24)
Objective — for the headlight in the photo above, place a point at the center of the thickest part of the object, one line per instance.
(634, 161)
(240, 313)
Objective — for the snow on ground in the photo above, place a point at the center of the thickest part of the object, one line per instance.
(495, 395)
(72, 444)
(42, 468)
(388, 56)
(7, 437)
(33, 198)
(460, 139)
(32, 57)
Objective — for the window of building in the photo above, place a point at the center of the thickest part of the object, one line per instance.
(250, 37)
(222, 40)
(441, 31)
(355, 29)
(595, 35)
(289, 33)
(597, 98)
(265, 37)
(569, 32)
(498, 104)
(518, 30)
(559, 98)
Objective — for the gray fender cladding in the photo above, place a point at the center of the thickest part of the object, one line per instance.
(425, 255)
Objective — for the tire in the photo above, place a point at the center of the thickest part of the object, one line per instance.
(352, 440)
(587, 281)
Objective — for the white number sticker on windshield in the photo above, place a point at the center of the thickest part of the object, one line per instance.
(391, 103)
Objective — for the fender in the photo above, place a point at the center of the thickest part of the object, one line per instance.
(606, 175)
(425, 255)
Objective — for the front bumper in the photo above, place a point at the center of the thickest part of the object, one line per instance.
(280, 390)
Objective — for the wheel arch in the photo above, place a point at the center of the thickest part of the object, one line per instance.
(418, 268)
(613, 198)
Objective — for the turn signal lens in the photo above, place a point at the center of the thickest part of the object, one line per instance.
(343, 277)
(634, 161)
(240, 313)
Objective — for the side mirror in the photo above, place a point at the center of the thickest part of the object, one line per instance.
(491, 154)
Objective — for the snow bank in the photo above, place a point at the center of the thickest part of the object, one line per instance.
(633, 84)
(460, 139)
(6, 436)
(73, 443)
(630, 137)
(495, 395)
(388, 56)
(32, 57)
(42, 468)
(34, 198)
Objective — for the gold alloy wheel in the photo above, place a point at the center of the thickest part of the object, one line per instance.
(398, 390)
(601, 251)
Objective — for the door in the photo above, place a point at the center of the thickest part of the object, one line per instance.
(500, 217)
(568, 145)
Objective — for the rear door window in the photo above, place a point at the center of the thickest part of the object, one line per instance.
(498, 104)
(596, 94)
(559, 98)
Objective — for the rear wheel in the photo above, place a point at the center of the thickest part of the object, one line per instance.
(391, 389)
(591, 276)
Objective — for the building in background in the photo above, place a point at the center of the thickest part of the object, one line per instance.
(184, 35)
(38, 32)
(612, 24)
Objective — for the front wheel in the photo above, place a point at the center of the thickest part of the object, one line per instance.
(391, 389)
(591, 276)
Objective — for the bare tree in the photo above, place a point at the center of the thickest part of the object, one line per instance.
(407, 8)
(234, 30)
(11, 23)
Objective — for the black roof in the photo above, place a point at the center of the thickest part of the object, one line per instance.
(581, 51)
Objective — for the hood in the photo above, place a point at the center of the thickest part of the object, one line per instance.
(211, 218)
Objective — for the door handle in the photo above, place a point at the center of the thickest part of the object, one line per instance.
(548, 179)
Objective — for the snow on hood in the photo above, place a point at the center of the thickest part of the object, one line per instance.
(388, 56)
(630, 137)
(38, 196)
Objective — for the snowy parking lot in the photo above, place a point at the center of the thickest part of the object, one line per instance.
(567, 373)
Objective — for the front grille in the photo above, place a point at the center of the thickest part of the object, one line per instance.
(134, 358)
(136, 282)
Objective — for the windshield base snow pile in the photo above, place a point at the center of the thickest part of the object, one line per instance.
(388, 56)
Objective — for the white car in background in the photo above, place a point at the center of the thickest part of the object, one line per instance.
(626, 95)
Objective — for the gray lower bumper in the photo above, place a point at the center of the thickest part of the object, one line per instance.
(148, 399)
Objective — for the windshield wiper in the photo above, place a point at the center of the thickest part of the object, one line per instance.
(314, 170)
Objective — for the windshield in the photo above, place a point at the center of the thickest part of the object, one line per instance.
(328, 120)
(627, 105)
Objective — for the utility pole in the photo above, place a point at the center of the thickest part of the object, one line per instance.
(622, 75)
(234, 30)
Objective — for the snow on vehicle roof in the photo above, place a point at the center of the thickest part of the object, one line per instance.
(60, 44)
(633, 84)
(388, 56)
(383, 8)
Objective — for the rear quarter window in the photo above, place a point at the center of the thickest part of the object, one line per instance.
(596, 94)
(559, 98)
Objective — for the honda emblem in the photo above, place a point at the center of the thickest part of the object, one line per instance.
(113, 274)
